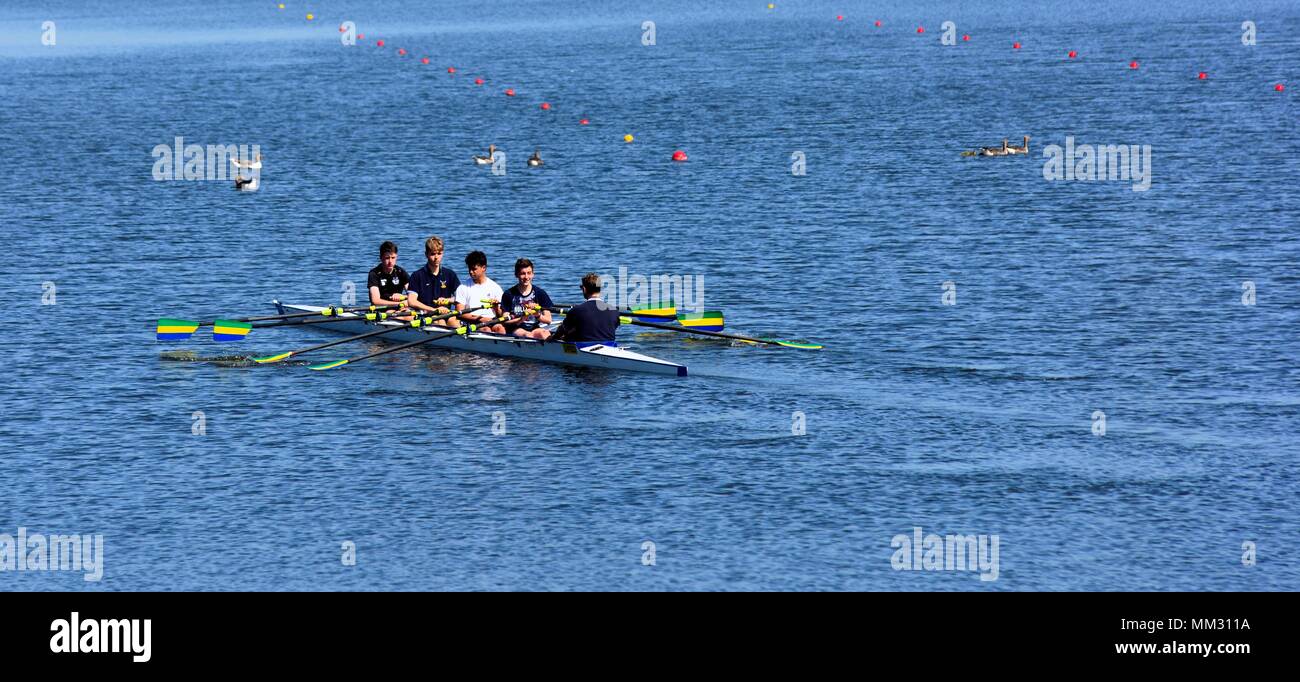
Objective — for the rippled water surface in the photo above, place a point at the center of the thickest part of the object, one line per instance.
(973, 418)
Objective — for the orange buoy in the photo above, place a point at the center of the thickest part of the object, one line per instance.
(1073, 54)
(1133, 64)
(1202, 75)
(424, 60)
(510, 92)
(583, 122)
(478, 81)
(546, 106)
(679, 155)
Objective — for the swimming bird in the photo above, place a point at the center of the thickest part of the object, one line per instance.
(1022, 149)
(1004, 150)
(484, 160)
(535, 159)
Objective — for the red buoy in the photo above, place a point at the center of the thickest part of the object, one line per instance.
(478, 81)
(839, 17)
(1279, 87)
(510, 92)
(361, 36)
(583, 122)
(1073, 54)
(679, 155)
(380, 43)
(965, 37)
(920, 29)
(1202, 75)
(546, 106)
(877, 23)
(1132, 65)
(401, 51)
(342, 29)
(451, 69)
(1015, 46)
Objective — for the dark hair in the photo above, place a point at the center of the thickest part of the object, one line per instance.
(521, 264)
(591, 283)
(475, 258)
(387, 248)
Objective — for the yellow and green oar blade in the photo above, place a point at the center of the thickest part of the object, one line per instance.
(330, 365)
(735, 337)
(230, 330)
(170, 329)
(708, 321)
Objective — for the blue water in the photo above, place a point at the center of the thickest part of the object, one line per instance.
(974, 418)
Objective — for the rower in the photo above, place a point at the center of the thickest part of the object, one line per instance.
(433, 287)
(535, 159)
(387, 281)
(482, 288)
(591, 322)
(522, 300)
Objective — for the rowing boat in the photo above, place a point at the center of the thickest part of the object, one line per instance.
(600, 355)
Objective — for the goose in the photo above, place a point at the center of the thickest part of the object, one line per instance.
(484, 160)
(1022, 149)
(535, 159)
(994, 151)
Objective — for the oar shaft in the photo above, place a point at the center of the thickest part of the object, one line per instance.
(331, 310)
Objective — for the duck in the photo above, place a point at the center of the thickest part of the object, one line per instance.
(1022, 149)
(535, 159)
(484, 160)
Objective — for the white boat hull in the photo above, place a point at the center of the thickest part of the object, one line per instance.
(605, 357)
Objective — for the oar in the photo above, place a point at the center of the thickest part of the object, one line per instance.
(173, 329)
(393, 349)
(416, 323)
(735, 337)
(709, 320)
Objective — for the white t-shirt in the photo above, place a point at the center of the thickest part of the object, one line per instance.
(470, 295)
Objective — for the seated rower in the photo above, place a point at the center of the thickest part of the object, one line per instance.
(524, 300)
(387, 281)
(473, 295)
(592, 321)
(433, 287)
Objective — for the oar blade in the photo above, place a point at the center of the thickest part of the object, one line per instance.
(328, 365)
(708, 321)
(175, 330)
(796, 344)
(230, 330)
(655, 312)
(272, 358)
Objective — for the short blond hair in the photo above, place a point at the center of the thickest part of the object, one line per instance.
(432, 244)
